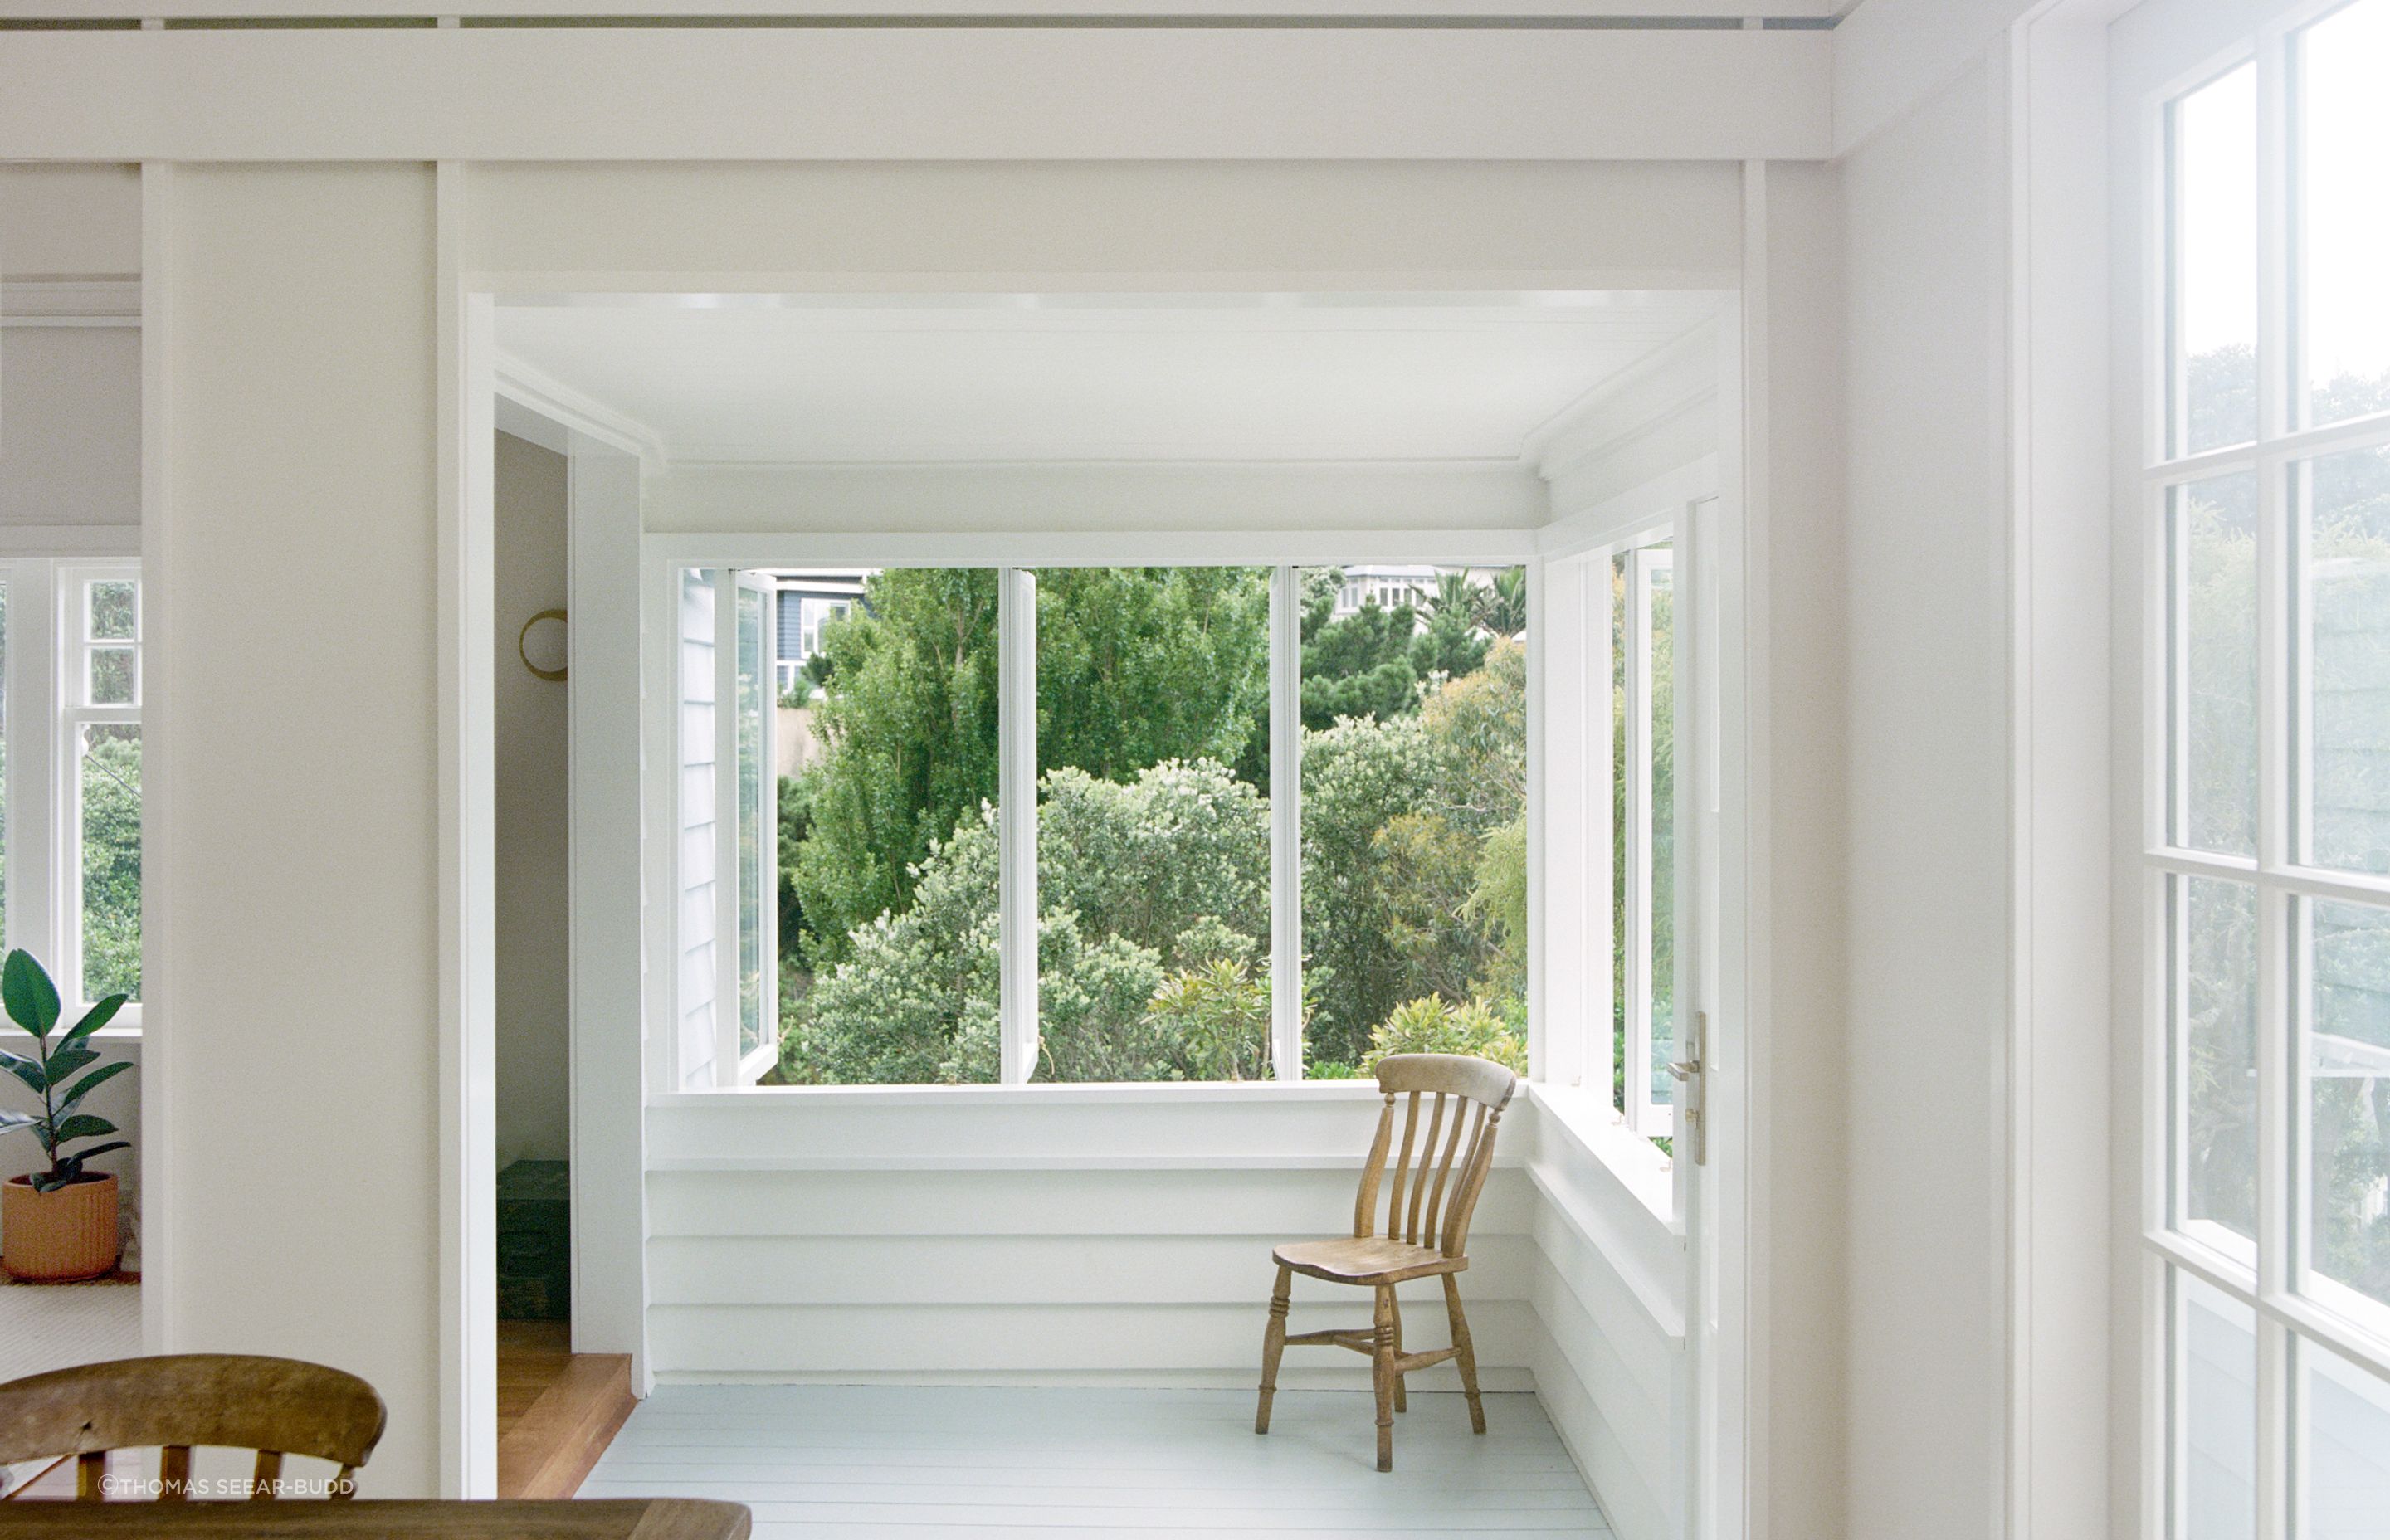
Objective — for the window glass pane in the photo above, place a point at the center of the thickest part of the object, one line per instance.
(2215, 1051)
(889, 940)
(755, 696)
(2348, 1102)
(2345, 1449)
(112, 610)
(2215, 263)
(2212, 529)
(2215, 1413)
(2344, 244)
(112, 677)
(1154, 850)
(1414, 813)
(1643, 820)
(2344, 609)
(111, 860)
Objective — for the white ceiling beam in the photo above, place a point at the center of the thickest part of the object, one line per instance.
(1648, 13)
(943, 93)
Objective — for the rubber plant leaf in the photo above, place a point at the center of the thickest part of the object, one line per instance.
(84, 1087)
(82, 1155)
(68, 1058)
(97, 1016)
(26, 1071)
(26, 992)
(83, 1126)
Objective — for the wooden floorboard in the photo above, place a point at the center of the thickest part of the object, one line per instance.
(822, 1462)
(557, 1410)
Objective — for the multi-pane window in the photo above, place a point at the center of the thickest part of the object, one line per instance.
(1251, 834)
(70, 771)
(2268, 788)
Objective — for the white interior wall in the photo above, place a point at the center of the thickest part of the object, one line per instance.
(1804, 1332)
(533, 958)
(1925, 889)
(70, 426)
(292, 779)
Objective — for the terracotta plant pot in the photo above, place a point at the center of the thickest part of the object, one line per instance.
(57, 1236)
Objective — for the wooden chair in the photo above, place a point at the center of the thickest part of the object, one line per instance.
(175, 1403)
(1426, 1231)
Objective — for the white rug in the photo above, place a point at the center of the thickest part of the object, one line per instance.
(53, 1325)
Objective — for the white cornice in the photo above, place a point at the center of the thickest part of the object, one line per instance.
(552, 398)
(1656, 386)
(70, 302)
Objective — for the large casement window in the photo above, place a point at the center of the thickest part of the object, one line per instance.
(1107, 823)
(1615, 904)
(70, 771)
(2265, 503)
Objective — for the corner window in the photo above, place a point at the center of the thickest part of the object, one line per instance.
(1114, 823)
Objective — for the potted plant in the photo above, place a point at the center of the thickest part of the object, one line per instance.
(59, 1224)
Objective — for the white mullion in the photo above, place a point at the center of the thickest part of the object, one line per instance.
(2275, 650)
(1017, 820)
(1286, 822)
(725, 827)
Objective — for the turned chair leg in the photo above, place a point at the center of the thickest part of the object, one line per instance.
(1402, 1398)
(1273, 1345)
(1466, 1355)
(1382, 1376)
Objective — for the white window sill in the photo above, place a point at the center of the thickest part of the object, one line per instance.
(1594, 1126)
(1101, 1093)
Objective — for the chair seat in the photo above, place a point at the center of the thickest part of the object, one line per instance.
(1369, 1259)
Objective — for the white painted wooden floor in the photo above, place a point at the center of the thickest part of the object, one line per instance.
(817, 1462)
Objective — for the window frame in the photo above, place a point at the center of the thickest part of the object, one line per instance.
(1015, 557)
(46, 666)
(2295, 1312)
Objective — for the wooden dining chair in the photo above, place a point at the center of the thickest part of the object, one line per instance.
(177, 1402)
(1425, 1234)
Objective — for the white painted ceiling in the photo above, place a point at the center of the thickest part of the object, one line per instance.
(1024, 378)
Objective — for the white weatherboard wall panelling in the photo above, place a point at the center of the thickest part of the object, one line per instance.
(293, 527)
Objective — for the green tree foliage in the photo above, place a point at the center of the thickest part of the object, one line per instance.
(1397, 816)
(112, 863)
(1432, 1024)
(1153, 846)
(1375, 662)
(910, 738)
(1137, 883)
(1137, 665)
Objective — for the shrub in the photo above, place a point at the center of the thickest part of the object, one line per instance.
(1430, 1025)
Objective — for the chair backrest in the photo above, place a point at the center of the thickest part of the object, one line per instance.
(1464, 1098)
(175, 1402)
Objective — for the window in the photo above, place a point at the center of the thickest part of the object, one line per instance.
(2268, 785)
(1414, 816)
(70, 772)
(1130, 824)
(1644, 800)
